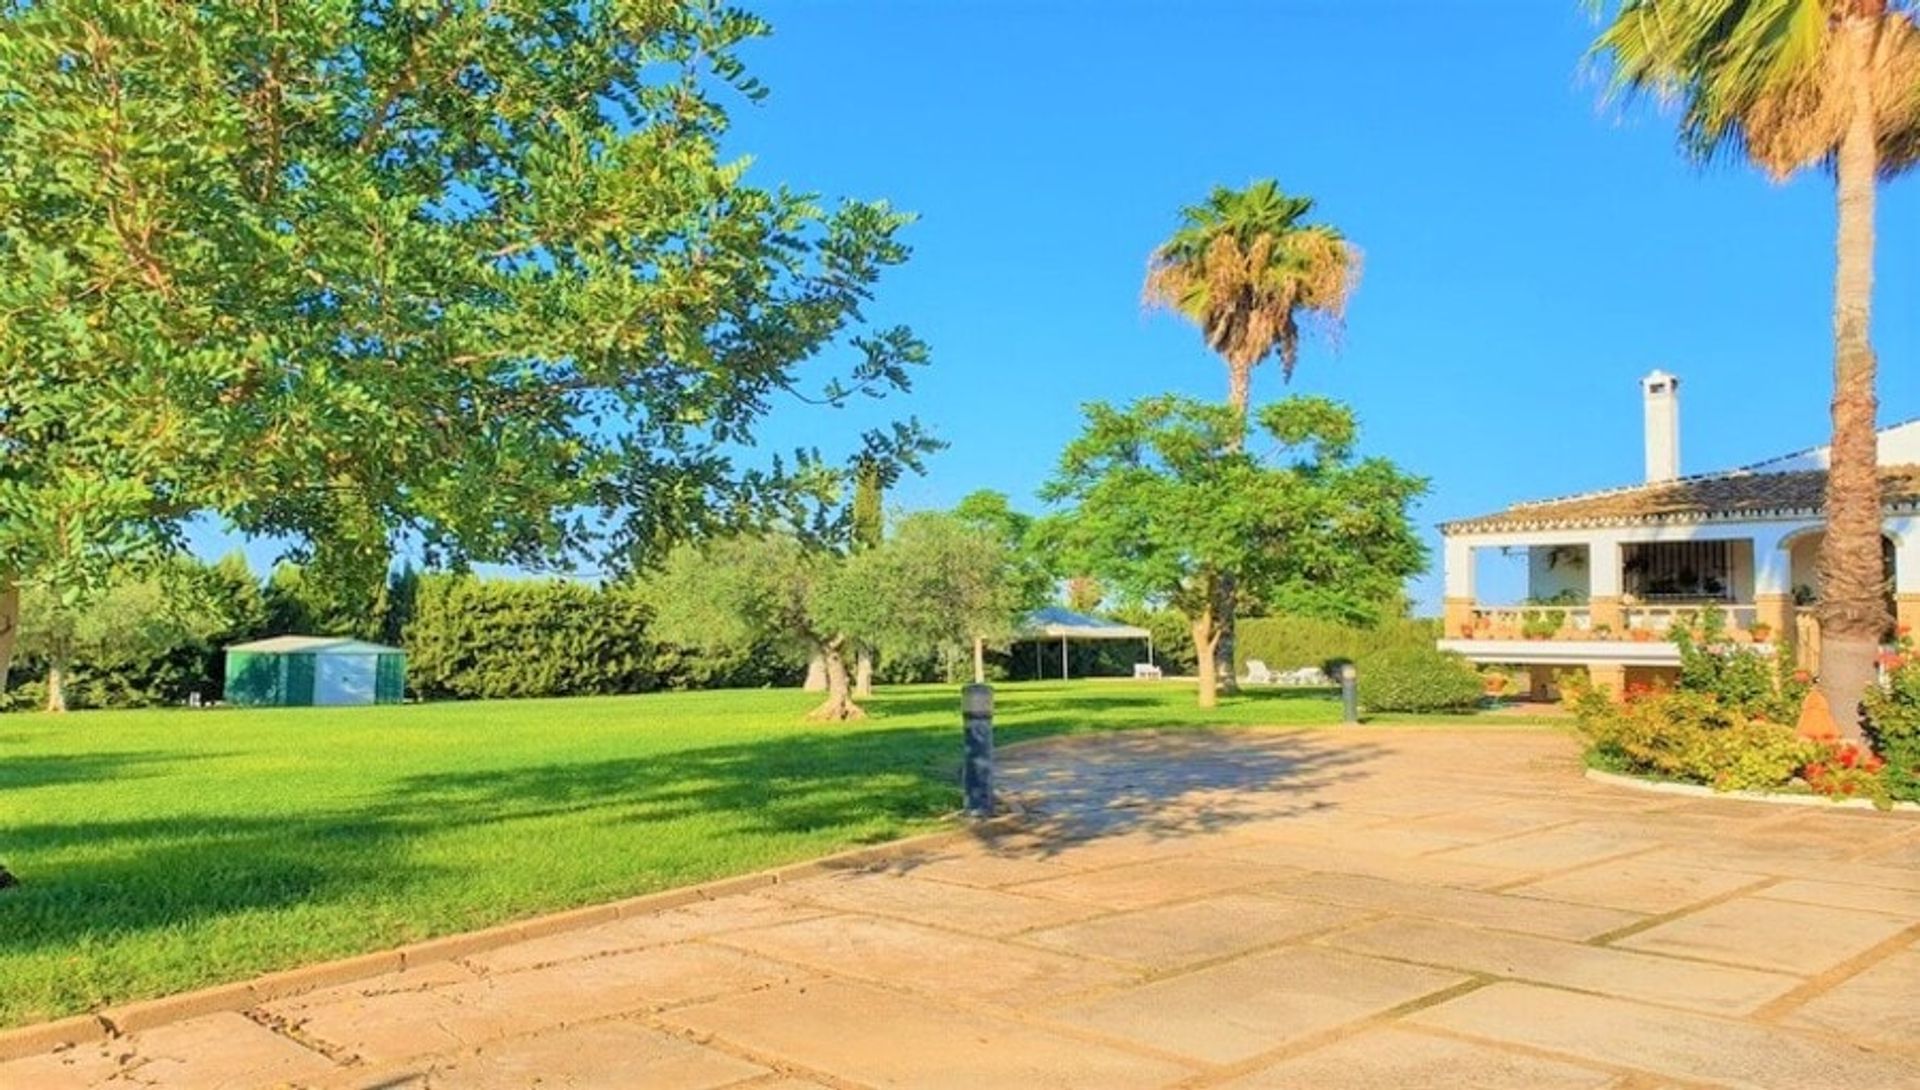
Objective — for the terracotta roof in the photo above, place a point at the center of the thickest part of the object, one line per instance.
(1740, 494)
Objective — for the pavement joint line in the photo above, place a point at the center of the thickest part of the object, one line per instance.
(1302, 1045)
(1834, 976)
(1603, 861)
(1155, 976)
(1641, 1078)
(287, 1030)
(1539, 982)
(1649, 922)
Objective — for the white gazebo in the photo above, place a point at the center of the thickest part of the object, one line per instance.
(1059, 623)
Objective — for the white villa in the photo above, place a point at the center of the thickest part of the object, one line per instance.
(1608, 571)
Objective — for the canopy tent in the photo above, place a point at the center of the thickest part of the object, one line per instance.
(1057, 623)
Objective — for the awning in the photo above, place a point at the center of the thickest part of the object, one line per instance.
(1058, 623)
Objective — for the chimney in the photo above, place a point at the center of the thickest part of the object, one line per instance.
(1661, 392)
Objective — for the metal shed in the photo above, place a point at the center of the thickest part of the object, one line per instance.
(295, 671)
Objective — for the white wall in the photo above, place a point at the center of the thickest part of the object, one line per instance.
(1545, 580)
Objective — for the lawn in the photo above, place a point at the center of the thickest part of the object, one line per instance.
(165, 850)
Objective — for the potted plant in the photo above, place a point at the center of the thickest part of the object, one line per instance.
(1761, 631)
(1602, 632)
(1642, 635)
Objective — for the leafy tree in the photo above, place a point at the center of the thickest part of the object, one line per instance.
(1791, 84)
(1245, 267)
(937, 585)
(130, 629)
(1032, 568)
(754, 589)
(472, 273)
(1164, 499)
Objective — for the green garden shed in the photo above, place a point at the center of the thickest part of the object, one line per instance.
(295, 671)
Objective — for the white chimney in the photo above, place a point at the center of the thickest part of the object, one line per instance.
(1661, 392)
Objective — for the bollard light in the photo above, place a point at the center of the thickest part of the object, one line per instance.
(1350, 692)
(976, 773)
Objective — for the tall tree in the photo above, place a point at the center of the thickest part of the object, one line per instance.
(473, 274)
(1791, 84)
(1163, 499)
(1247, 267)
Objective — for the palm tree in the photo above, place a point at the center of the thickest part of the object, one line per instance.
(1790, 84)
(1246, 269)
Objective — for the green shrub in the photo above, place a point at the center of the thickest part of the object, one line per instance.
(1418, 679)
(1740, 677)
(1893, 725)
(1287, 643)
(487, 639)
(1689, 736)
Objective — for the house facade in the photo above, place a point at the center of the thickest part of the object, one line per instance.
(1609, 572)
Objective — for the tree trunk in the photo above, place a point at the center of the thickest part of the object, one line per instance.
(863, 673)
(816, 674)
(1205, 639)
(1853, 609)
(1226, 608)
(839, 706)
(9, 625)
(57, 657)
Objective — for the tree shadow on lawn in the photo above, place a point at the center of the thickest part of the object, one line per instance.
(137, 876)
(52, 769)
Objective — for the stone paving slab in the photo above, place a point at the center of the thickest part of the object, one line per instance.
(1181, 911)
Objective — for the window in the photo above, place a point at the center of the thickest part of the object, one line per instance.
(1678, 571)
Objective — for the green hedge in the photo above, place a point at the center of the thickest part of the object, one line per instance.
(1287, 643)
(471, 638)
(1417, 679)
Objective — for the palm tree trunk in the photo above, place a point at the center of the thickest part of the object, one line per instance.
(1226, 589)
(1853, 611)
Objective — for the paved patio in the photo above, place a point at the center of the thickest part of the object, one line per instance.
(1239, 910)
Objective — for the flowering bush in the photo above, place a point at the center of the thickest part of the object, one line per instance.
(1687, 736)
(1850, 771)
(1757, 684)
(1893, 725)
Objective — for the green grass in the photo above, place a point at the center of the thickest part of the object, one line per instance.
(165, 850)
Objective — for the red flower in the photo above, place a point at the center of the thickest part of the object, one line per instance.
(1801, 677)
(1892, 660)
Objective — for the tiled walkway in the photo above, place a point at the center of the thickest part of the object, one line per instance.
(1247, 910)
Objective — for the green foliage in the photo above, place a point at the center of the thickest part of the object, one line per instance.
(1245, 265)
(1164, 501)
(1893, 725)
(147, 639)
(472, 273)
(932, 587)
(1739, 677)
(1687, 735)
(1417, 679)
(1032, 564)
(1289, 642)
(488, 639)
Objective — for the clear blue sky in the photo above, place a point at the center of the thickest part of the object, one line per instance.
(1529, 253)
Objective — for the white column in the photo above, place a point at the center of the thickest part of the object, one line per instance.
(1905, 533)
(1603, 568)
(1458, 560)
(1772, 562)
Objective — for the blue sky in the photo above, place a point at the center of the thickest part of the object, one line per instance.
(1529, 252)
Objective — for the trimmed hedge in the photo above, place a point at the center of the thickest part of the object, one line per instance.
(1417, 679)
(471, 638)
(1287, 643)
